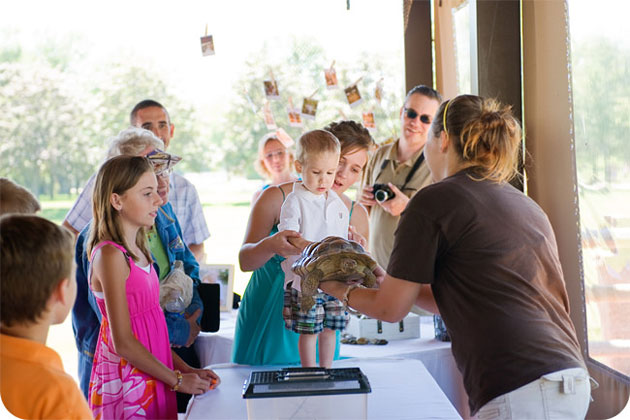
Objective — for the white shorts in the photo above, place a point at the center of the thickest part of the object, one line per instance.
(564, 394)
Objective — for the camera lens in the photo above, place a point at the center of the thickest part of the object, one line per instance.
(380, 195)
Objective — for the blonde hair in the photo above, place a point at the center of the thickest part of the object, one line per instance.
(116, 175)
(315, 142)
(16, 199)
(36, 255)
(133, 141)
(259, 164)
(485, 134)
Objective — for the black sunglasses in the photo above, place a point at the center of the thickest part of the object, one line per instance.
(412, 115)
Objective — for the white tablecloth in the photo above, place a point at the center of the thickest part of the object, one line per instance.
(216, 348)
(401, 389)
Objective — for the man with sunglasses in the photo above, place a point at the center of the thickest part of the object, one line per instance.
(399, 166)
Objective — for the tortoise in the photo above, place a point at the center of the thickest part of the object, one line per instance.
(332, 258)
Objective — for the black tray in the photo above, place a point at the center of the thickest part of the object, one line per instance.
(293, 382)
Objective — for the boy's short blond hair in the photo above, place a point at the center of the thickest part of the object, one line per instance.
(315, 142)
(36, 255)
(16, 199)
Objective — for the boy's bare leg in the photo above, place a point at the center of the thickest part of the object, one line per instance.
(307, 344)
(327, 342)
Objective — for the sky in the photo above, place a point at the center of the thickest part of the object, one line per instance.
(166, 33)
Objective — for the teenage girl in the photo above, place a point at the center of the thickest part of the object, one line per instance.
(135, 373)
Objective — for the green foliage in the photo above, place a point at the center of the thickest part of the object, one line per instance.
(601, 99)
(57, 122)
(299, 74)
(123, 86)
(41, 136)
(60, 107)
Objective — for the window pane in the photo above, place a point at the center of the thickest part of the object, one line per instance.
(461, 25)
(600, 61)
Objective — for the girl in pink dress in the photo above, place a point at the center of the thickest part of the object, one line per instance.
(134, 372)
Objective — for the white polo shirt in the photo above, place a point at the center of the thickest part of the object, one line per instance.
(314, 217)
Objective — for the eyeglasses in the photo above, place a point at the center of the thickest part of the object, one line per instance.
(163, 173)
(412, 115)
(278, 153)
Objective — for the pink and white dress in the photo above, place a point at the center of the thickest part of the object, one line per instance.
(118, 390)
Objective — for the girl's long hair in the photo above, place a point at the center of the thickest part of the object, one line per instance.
(116, 175)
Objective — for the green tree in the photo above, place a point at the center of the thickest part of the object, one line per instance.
(40, 136)
(601, 100)
(122, 86)
(57, 121)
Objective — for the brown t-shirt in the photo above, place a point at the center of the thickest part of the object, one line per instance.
(490, 255)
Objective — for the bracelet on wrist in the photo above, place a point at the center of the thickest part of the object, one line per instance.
(346, 296)
(180, 379)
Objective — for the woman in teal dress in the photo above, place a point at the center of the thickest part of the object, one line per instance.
(260, 337)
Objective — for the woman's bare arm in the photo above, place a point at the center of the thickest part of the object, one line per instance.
(258, 247)
(361, 222)
(391, 302)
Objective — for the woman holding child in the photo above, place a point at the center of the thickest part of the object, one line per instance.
(260, 337)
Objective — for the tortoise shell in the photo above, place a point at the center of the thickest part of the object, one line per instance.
(332, 259)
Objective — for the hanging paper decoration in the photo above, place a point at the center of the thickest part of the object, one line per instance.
(284, 138)
(207, 44)
(271, 87)
(270, 122)
(368, 120)
(353, 95)
(309, 107)
(331, 77)
(295, 118)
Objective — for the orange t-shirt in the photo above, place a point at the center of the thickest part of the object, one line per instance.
(33, 384)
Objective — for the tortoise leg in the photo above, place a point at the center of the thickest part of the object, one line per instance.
(370, 278)
(309, 286)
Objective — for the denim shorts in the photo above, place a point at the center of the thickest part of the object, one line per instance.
(328, 312)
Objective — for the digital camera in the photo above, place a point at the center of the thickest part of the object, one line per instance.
(382, 192)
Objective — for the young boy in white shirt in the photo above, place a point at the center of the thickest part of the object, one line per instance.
(315, 211)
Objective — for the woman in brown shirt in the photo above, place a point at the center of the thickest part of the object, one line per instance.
(482, 254)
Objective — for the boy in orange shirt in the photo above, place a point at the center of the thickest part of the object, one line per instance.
(37, 291)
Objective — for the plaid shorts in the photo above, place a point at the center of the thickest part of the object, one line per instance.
(328, 312)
